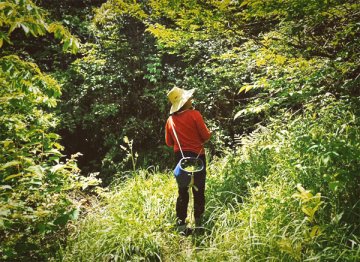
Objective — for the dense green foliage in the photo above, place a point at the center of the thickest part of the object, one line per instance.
(249, 60)
(285, 72)
(277, 83)
(112, 99)
(285, 195)
(35, 180)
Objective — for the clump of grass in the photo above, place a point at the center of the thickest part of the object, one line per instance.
(134, 221)
(259, 212)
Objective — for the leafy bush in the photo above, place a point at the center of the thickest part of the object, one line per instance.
(35, 180)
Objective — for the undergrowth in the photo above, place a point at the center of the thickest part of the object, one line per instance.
(289, 193)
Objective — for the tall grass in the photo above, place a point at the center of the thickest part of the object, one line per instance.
(290, 193)
(133, 221)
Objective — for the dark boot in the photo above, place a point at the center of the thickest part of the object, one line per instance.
(198, 221)
(182, 228)
(199, 229)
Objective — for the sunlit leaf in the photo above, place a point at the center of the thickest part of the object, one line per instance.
(12, 176)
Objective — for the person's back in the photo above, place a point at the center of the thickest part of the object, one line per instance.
(186, 132)
(191, 131)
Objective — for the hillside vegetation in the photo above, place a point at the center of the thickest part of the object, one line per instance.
(289, 193)
(84, 170)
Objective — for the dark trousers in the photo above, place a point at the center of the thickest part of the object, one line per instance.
(199, 195)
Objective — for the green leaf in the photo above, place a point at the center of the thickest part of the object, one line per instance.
(12, 176)
(62, 220)
(334, 185)
(10, 164)
(246, 88)
(5, 187)
(4, 212)
(315, 231)
(66, 44)
(238, 114)
(37, 170)
(13, 27)
(74, 214)
(36, 182)
(25, 28)
(57, 167)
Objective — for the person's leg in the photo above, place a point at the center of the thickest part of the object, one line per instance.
(182, 200)
(182, 205)
(199, 194)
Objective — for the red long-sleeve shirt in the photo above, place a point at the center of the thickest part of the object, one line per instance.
(190, 129)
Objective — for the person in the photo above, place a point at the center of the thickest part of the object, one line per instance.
(192, 133)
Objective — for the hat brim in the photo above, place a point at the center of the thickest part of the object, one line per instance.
(179, 104)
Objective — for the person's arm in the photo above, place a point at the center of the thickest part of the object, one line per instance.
(168, 137)
(204, 132)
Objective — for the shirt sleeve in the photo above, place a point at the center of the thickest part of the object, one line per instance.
(204, 132)
(168, 137)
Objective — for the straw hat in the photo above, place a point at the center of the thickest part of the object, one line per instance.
(178, 97)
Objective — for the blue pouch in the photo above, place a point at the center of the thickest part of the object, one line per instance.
(185, 169)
